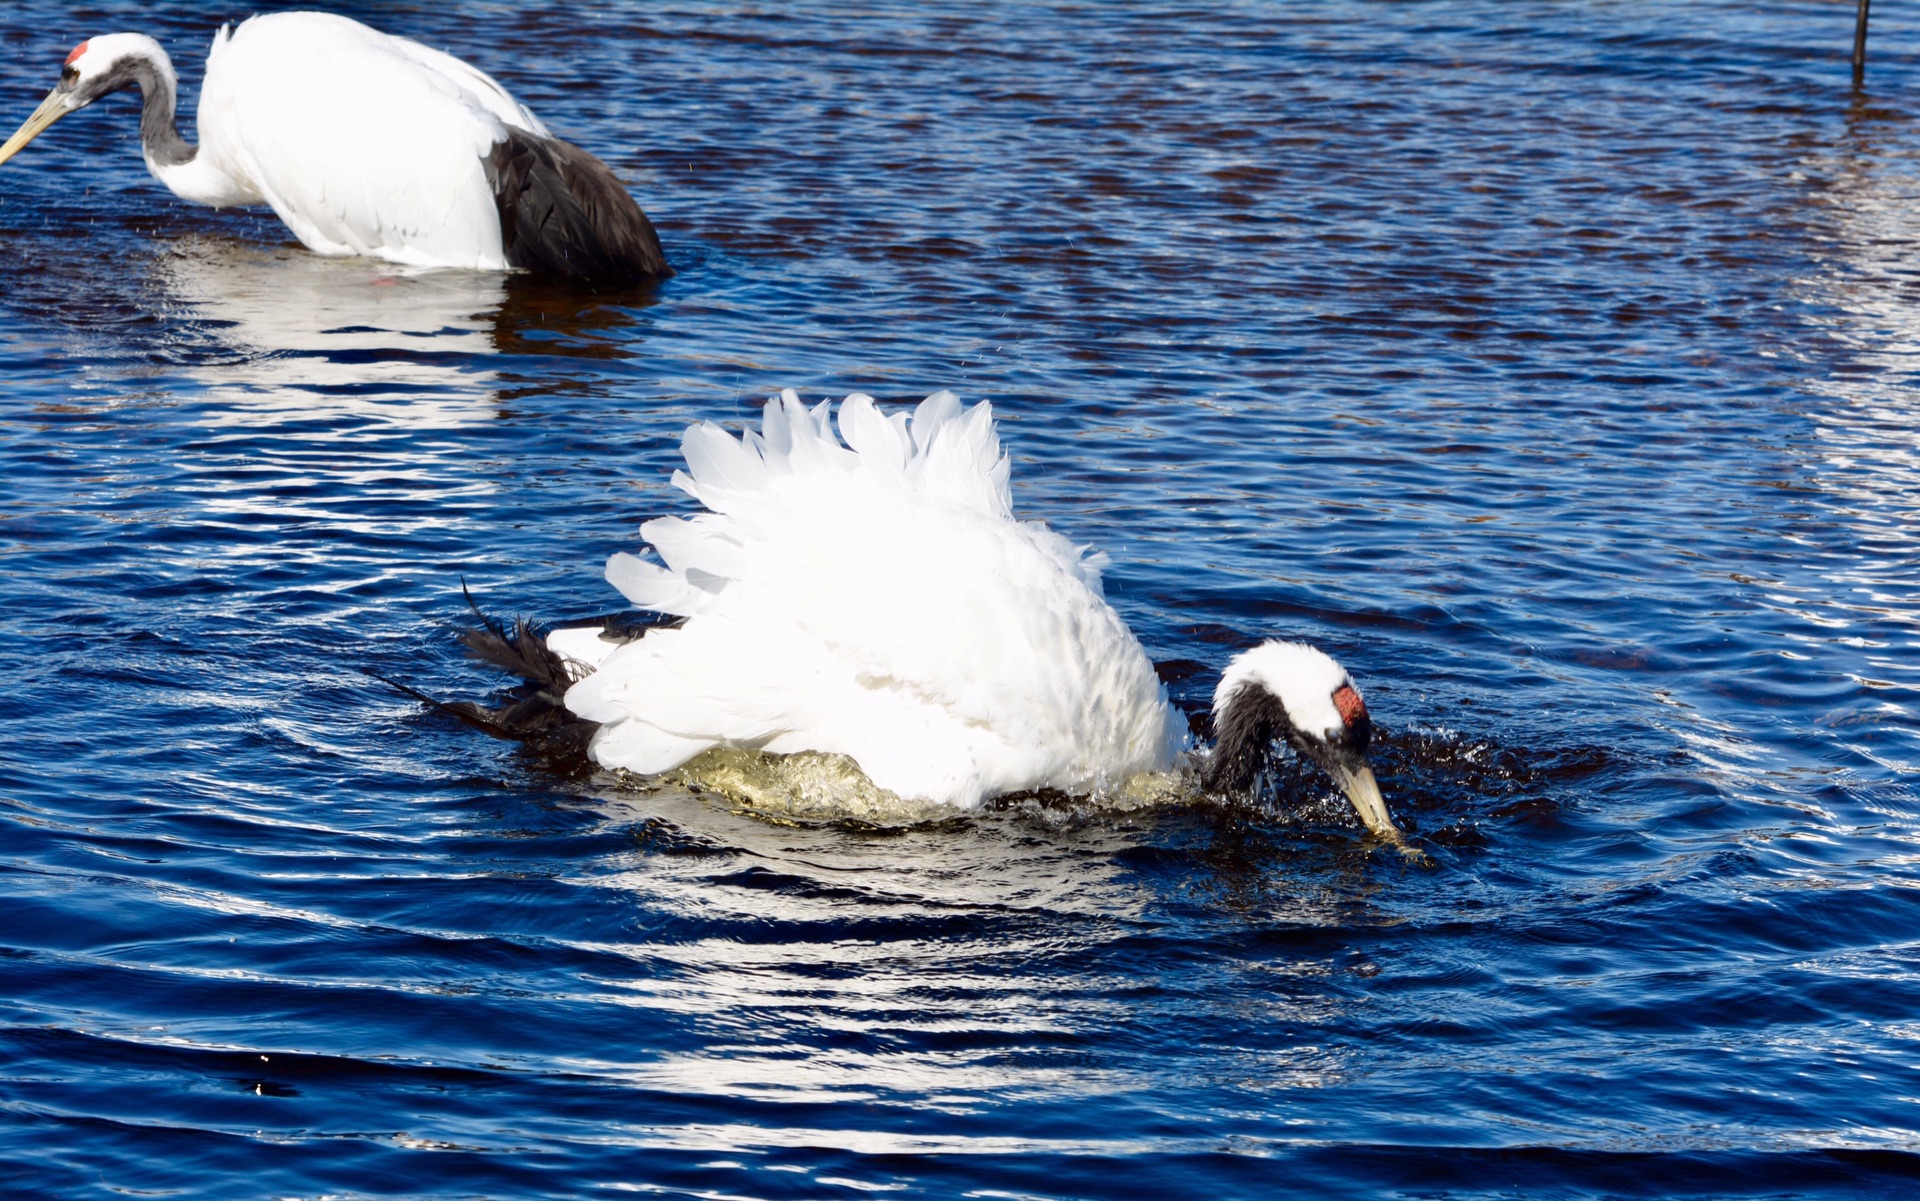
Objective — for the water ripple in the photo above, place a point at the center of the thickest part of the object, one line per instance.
(1551, 365)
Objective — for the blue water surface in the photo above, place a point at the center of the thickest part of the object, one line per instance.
(1556, 366)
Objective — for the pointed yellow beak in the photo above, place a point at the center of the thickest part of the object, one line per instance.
(1364, 791)
(51, 109)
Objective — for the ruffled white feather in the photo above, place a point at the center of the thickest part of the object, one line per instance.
(872, 595)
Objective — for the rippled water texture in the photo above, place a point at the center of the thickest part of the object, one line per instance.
(1557, 366)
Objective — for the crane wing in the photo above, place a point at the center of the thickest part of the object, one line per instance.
(478, 86)
(362, 142)
(875, 600)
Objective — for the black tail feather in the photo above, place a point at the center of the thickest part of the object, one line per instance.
(564, 211)
(535, 711)
(478, 716)
(521, 651)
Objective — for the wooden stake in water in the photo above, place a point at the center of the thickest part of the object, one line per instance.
(1860, 45)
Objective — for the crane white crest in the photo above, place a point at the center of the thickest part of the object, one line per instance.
(1302, 677)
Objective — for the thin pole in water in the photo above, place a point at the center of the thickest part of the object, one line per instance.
(1860, 45)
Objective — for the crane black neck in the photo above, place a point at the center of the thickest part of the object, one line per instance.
(1246, 726)
(159, 133)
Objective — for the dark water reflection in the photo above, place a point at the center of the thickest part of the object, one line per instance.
(1553, 365)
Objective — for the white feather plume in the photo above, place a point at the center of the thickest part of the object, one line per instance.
(874, 597)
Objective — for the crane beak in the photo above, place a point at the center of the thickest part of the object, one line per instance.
(51, 109)
(1364, 791)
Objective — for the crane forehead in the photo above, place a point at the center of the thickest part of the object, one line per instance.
(78, 51)
(1347, 700)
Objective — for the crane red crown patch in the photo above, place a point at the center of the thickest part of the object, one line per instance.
(1351, 707)
(78, 51)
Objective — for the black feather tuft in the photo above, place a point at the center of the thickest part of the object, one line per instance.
(563, 211)
(534, 712)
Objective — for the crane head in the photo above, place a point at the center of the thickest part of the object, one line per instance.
(1292, 693)
(95, 68)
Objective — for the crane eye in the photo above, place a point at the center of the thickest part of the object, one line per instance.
(70, 74)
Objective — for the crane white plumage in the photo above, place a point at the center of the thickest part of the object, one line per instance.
(877, 599)
(366, 143)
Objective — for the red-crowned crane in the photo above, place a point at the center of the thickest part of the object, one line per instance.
(369, 144)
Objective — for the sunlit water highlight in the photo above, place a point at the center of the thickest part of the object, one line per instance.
(1553, 365)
